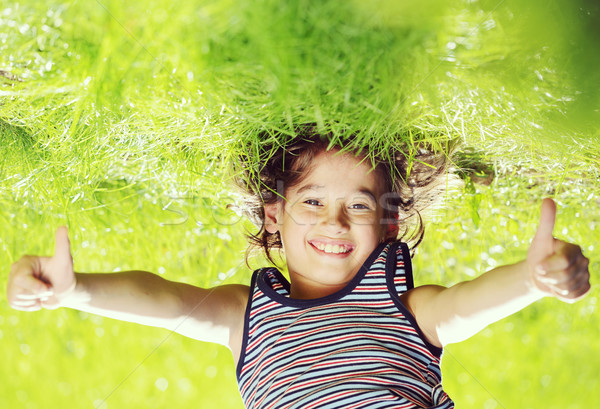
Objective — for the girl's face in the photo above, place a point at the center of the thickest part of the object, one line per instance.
(329, 224)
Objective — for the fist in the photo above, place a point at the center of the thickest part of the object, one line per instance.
(42, 282)
(557, 268)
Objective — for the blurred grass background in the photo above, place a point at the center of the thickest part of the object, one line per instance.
(120, 119)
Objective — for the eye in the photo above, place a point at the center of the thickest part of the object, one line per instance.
(312, 202)
(359, 206)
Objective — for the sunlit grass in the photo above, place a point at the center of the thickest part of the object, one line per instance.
(120, 120)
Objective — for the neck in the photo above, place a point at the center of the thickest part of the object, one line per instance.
(304, 290)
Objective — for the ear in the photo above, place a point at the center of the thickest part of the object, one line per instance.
(272, 217)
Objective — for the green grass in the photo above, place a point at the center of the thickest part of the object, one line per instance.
(121, 120)
(544, 355)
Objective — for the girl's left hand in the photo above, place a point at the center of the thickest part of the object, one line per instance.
(555, 267)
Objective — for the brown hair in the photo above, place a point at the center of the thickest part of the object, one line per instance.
(411, 182)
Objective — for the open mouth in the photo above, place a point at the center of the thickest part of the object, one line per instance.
(332, 248)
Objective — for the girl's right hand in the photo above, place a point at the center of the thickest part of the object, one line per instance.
(42, 282)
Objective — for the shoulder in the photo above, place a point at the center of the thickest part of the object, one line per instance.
(235, 292)
(419, 301)
(232, 298)
(419, 296)
(213, 314)
(223, 297)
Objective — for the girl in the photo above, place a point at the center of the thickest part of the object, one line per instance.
(348, 330)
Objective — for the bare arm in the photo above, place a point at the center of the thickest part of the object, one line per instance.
(552, 268)
(212, 315)
(138, 296)
(448, 315)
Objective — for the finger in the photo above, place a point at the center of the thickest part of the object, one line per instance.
(24, 303)
(28, 284)
(62, 246)
(581, 292)
(560, 269)
(547, 221)
(574, 289)
(577, 281)
(577, 294)
(564, 255)
(33, 307)
(32, 296)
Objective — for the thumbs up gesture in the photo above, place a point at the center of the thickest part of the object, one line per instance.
(556, 268)
(42, 282)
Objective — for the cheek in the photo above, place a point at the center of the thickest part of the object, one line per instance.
(374, 233)
(367, 223)
(302, 218)
(364, 229)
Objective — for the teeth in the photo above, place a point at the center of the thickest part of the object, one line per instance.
(332, 248)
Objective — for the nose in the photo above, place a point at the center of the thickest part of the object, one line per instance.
(336, 220)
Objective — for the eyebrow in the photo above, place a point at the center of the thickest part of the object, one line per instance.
(368, 193)
(310, 187)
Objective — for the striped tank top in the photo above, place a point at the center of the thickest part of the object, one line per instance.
(358, 348)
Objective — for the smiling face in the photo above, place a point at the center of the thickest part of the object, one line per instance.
(329, 223)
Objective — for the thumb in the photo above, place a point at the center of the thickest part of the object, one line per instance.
(62, 247)
(543, 241)
(59, 269)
